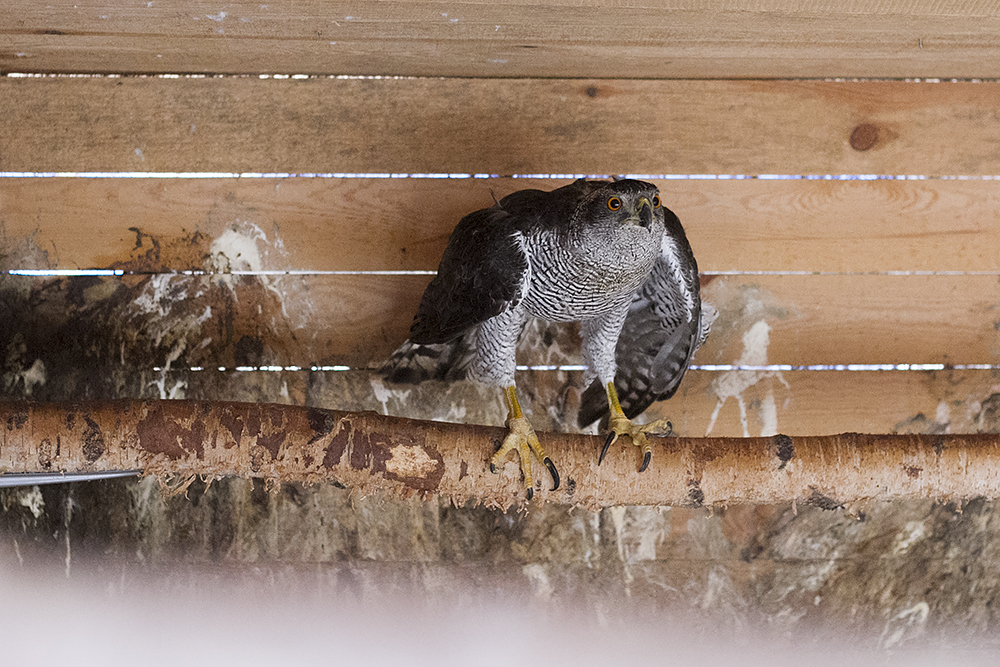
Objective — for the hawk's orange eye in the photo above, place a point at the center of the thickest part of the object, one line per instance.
(614, 203)
(656, 201)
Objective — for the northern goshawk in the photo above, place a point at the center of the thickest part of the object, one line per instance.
(606, 254)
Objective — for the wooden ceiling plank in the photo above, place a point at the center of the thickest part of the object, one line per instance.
(764, 320)
(713, 39)
(310, 224)
(499, 126)
(814, 402)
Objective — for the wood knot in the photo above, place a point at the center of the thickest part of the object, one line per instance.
(864, 137)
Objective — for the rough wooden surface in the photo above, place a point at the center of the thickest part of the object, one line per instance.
(697, 38)
(745, 403)
(735, 225)
(359, 320)
(141, 336)
(371, 453)
(499, 126)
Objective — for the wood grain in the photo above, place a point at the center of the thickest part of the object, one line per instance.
(864, 319)
(360, 320)
(812, 320)
(696, 39)
(498, 126)
(823, 402)
(404, 224)
(792, 402)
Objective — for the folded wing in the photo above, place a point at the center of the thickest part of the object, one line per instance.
(660, 335)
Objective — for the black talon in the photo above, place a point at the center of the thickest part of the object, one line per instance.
(645, 461)
(493, 468)
(552, 471)
(530, 493)
(607, 443)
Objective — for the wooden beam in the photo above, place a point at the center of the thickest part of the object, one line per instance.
(752, 403)
(695, 39)
(735, 403)
(735, 225)
(360, 320)
(402, 457)
(499, 126)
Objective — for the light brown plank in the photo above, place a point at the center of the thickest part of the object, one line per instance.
(914, 38)
(403, 224)
(498, 126)
(358, 320)
(794, 403)
(854, 320)
(811, 320)
(808, 402)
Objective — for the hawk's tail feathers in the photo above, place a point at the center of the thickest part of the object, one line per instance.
(593, 404)
(413, 363)
(634, 393)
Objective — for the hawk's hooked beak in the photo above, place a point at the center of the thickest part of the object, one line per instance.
(645, 212)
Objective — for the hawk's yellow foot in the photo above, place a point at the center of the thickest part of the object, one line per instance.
(523, 440)
(622, 425)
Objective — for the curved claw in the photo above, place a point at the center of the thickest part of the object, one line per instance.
(522, 440)
(637, 433)
(612, 436)
(552, 471)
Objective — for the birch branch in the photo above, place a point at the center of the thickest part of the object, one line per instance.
(402, 457)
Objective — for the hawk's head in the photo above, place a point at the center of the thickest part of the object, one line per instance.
(619, 204)
(619, 215)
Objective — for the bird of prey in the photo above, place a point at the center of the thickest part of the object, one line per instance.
(606, 254)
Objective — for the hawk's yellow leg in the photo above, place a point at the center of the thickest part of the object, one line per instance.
(622, 425)
(523, 440)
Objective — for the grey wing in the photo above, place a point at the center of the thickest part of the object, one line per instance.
(663, 329)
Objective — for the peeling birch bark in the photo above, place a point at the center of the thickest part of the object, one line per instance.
(399, 457)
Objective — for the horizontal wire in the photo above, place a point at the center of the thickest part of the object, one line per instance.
(189, 175)
(71, 273)
(32, 478)
(237, 175)
(51, 273)
(398, 77)
(993, 272)
(712, 368)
